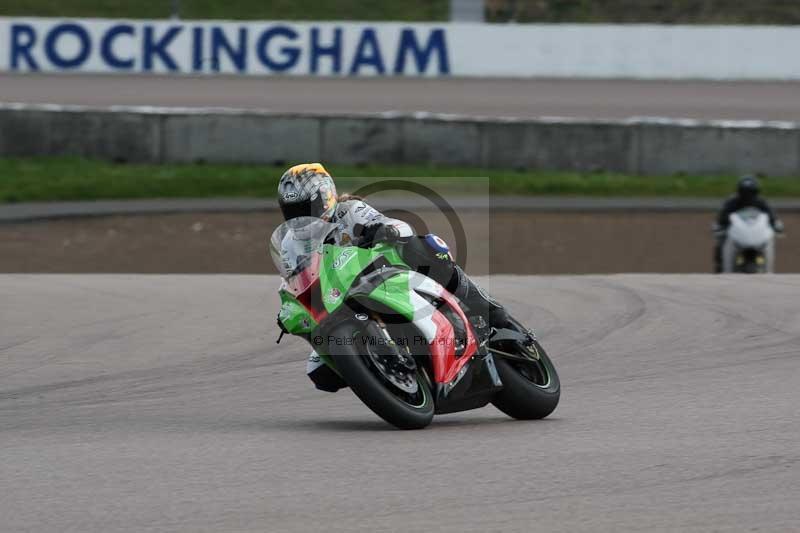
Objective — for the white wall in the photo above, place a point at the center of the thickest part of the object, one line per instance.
(628, 51)
(387, 49)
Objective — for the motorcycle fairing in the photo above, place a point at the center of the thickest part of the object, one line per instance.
(343, 265)
(472, 388)
(295, 317)
(749, 243)
(750, 228)
(332, 275)
(402, 292)
(461, 382)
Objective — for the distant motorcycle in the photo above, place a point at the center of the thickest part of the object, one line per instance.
(398, 339)
(749, 245)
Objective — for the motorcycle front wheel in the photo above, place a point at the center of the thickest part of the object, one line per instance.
(382, 374)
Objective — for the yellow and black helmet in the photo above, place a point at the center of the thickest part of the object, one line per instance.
(306, 190)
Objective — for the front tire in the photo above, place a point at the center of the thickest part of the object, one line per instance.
(356, 364)
(530, 392)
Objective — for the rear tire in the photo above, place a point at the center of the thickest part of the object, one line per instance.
(521, 397)
(385, 401)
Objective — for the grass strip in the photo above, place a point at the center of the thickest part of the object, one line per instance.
(68, 178)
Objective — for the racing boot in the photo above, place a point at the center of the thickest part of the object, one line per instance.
(478, 302)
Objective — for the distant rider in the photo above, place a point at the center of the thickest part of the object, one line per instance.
(309, 190)
(747, 195)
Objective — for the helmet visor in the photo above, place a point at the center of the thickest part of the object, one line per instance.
(310, 208)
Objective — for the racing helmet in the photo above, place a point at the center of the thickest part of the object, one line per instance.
(307, 190)
(748, 187)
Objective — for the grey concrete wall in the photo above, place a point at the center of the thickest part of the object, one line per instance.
(714, 148)
(217, 137)
(27, 131)
(650, 147)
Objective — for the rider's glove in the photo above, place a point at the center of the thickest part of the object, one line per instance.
(377, 232)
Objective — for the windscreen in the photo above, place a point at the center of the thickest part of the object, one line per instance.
(296, 248)
(749, 214)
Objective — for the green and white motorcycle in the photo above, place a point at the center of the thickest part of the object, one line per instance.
(397, 338)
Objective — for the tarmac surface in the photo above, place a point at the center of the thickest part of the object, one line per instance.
(598, 99)
(162, 403)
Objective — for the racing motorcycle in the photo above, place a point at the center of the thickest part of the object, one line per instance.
(398, 339)
(749, 245)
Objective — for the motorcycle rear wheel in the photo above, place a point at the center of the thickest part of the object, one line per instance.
(530, 391)
(356, 363)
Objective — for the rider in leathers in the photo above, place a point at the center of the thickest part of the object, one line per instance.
(309, 190)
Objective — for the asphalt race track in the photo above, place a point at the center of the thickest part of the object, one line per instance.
(162, 403)
(498, 97)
